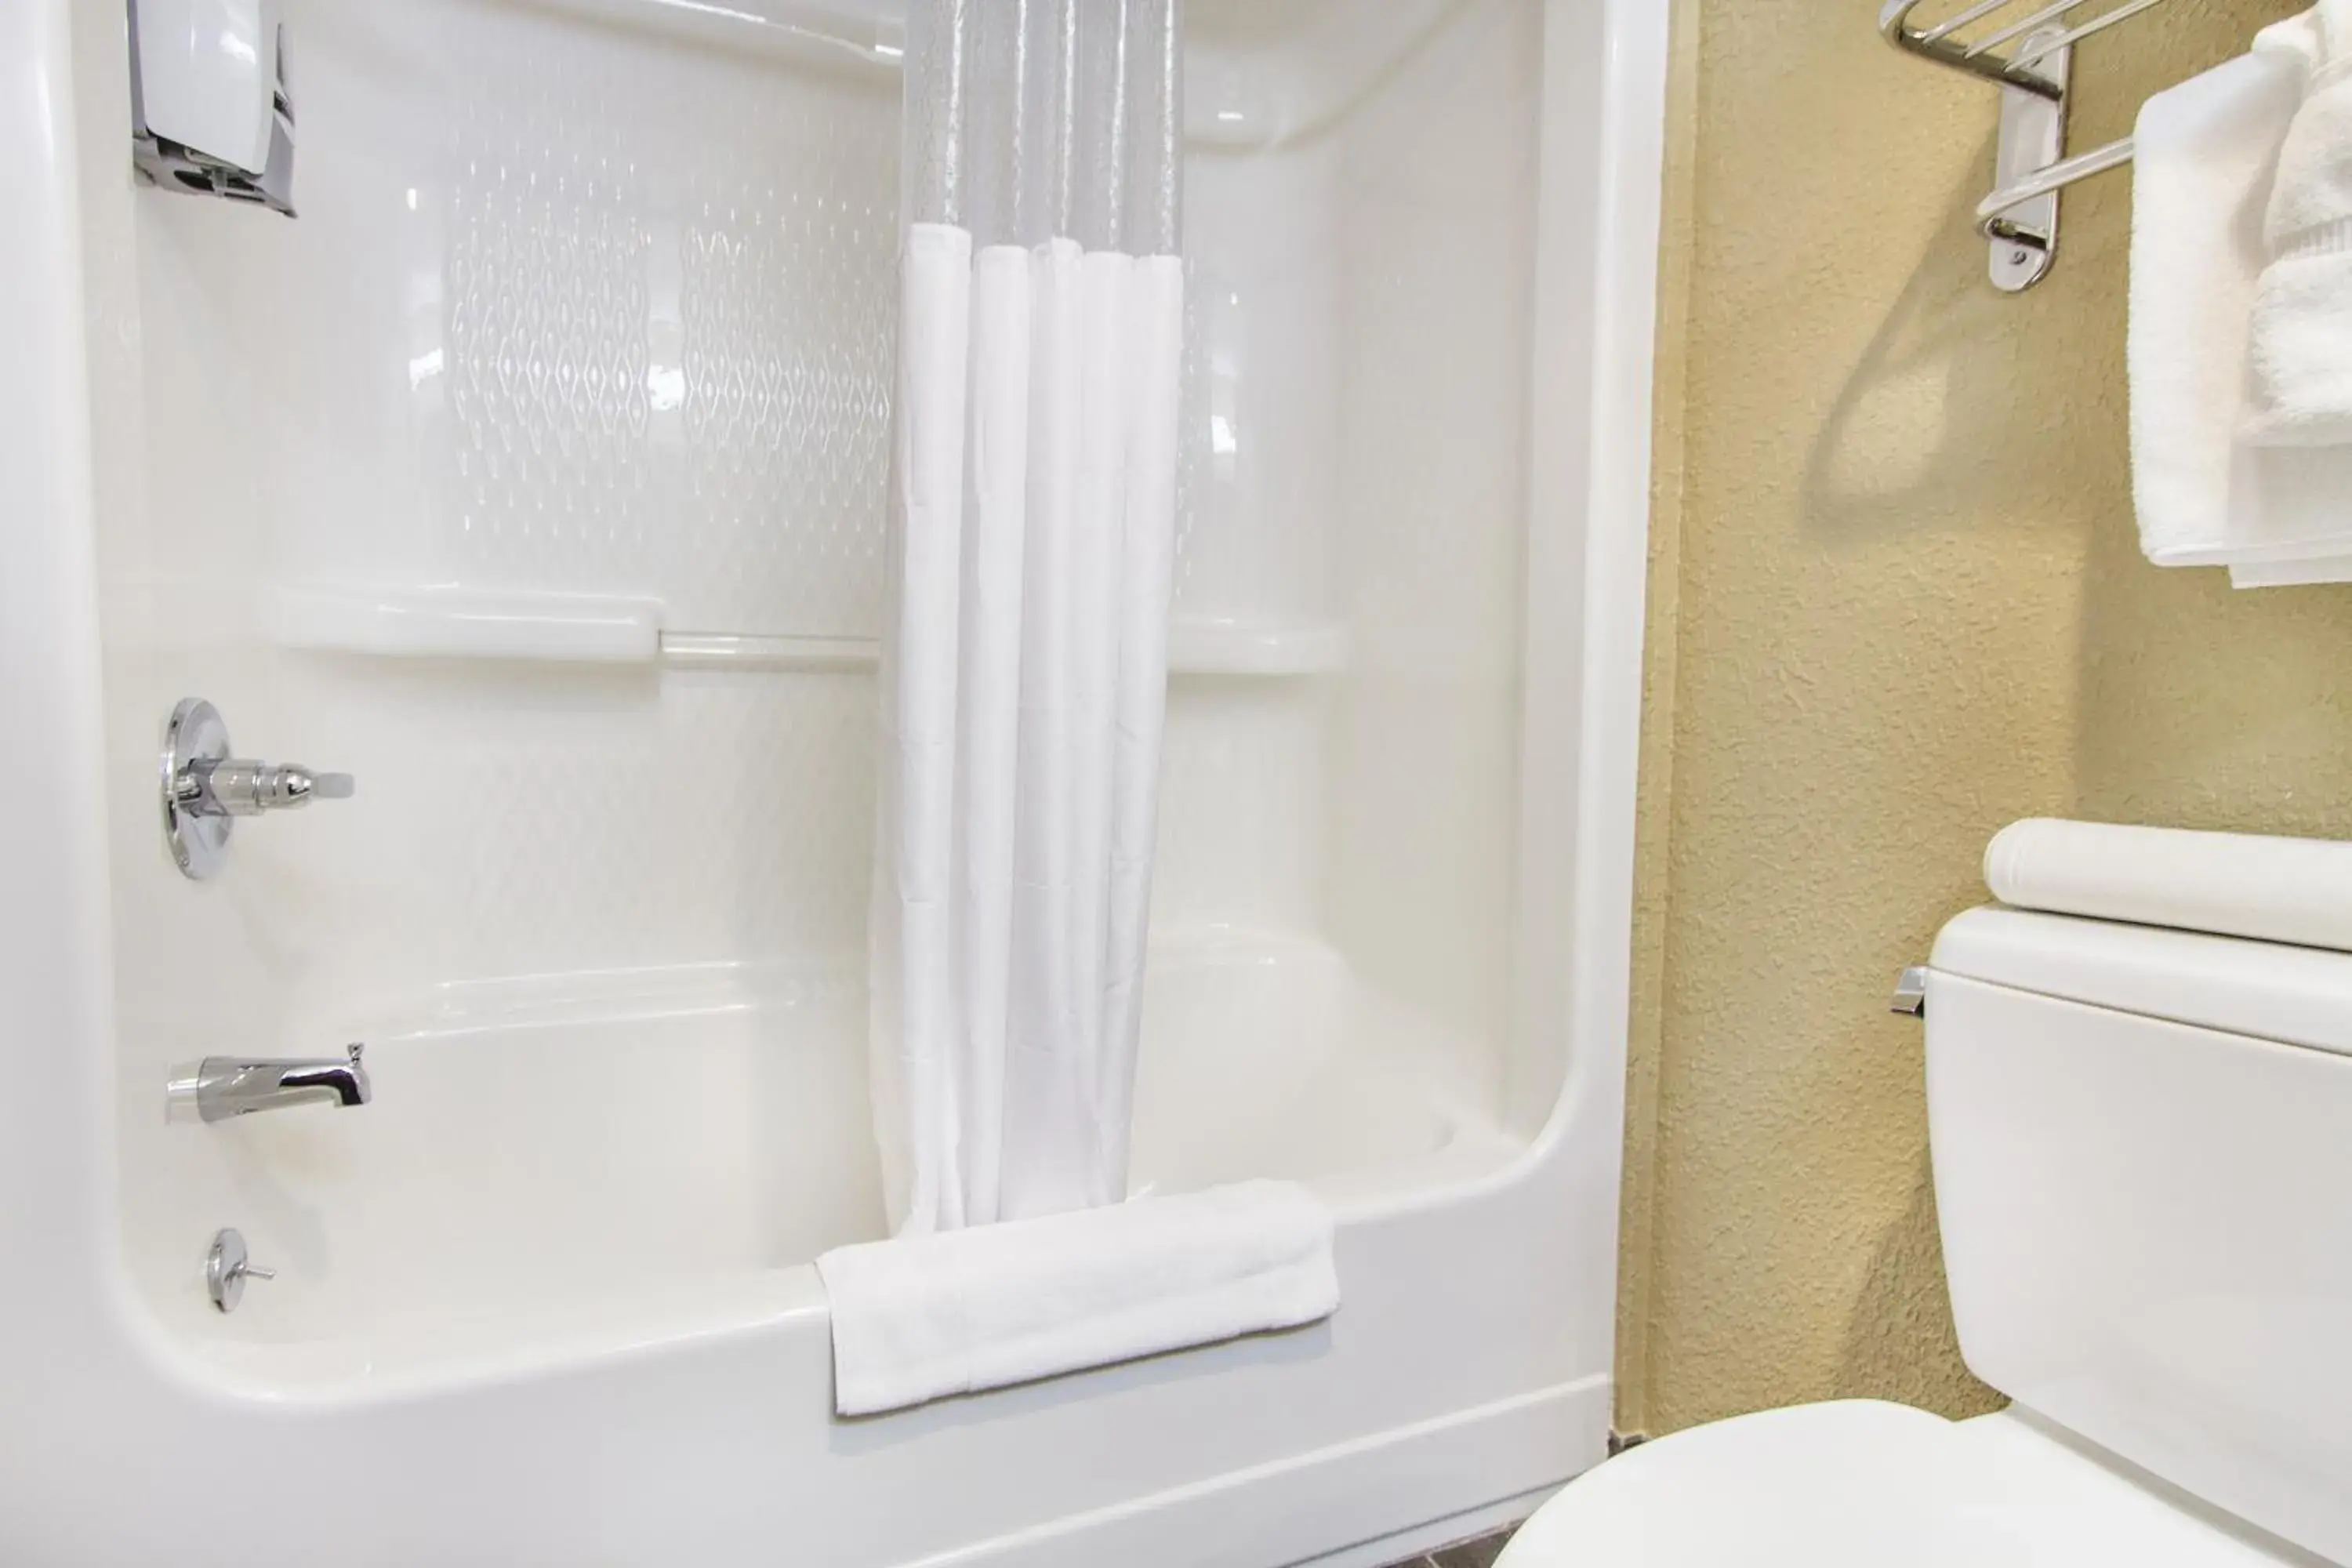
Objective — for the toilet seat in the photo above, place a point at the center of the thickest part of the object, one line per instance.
(1863, 1484)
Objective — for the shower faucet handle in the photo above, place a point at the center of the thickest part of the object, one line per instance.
(240, 787)
(205, 787)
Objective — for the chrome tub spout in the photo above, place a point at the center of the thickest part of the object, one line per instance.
(221, 1087)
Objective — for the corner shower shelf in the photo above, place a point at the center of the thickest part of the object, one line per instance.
(1256, 647)
(445, 621)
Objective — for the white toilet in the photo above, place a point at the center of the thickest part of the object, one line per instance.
(2142, 1160)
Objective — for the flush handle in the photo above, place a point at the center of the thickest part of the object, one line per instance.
(1911, 993)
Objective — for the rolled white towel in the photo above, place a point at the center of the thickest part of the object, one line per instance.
(2276, 890)
(922, 1317)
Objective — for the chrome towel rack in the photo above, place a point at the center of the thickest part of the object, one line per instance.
(2026, 51)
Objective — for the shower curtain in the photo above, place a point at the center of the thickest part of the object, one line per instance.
(1024, 654)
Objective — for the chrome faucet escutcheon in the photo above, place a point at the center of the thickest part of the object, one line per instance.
(221, 1087)
(206, 788)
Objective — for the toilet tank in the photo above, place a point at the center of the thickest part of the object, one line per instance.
(2143, 1161)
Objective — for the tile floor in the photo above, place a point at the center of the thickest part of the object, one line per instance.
(1478, 1554)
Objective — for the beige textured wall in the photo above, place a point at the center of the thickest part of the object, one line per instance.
(1895, 602)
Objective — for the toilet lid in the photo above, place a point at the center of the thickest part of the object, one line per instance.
(1862, 1484)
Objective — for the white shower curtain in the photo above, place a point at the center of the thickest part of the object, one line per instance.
(1024, 658)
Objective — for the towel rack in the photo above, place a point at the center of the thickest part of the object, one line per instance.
(2028, 57)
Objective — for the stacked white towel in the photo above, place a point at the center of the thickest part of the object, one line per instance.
(922, 1317)
(2299, 386)
(2212, 483)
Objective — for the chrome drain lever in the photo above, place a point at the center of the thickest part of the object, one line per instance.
(227, 1267)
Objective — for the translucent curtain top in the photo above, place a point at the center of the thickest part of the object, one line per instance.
(1032, 119)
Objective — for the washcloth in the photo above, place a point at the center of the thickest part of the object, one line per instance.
(921, 1317)
(2232, 884)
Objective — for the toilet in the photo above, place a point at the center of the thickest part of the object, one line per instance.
(2142, 1141)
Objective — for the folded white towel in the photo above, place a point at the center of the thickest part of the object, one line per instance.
(2206, 156)
(2203, 155)
(2293, 522)
(2294, 573)
(2274, 890)
(922, 1317)
(2299, 386)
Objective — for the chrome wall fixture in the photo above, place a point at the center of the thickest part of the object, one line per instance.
(2029, 58)
(226, 1268)
(221, 1087)
(205, 789)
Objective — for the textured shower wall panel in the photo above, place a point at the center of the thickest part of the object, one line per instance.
(521, 821)
(669, 333)
(1436, 286)
(582, 300)
(585, 299)
(597, 297)
(1261, 476)
(1243, 806)
(572, 305)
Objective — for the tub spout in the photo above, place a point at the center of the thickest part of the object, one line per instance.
(221, 1087)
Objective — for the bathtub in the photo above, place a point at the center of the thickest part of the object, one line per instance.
(595, 1160)
(595, 913)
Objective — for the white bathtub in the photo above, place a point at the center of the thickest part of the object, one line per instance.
(605, 1159)
(595, 908)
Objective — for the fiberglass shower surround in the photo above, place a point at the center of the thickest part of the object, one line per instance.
(554, 501)
(1026, 653)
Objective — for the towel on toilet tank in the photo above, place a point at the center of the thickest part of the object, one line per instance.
(922, 1317)
(2231, 884)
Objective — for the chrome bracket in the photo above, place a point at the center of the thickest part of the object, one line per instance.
(2030, 60)
(2024, 236)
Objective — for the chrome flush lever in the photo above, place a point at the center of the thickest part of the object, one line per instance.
(1911, 993)
(205, 787)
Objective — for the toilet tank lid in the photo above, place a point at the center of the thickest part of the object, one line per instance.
(2295, 995)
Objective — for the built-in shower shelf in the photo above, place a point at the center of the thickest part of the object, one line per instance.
(443, 621)
(446, 622)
